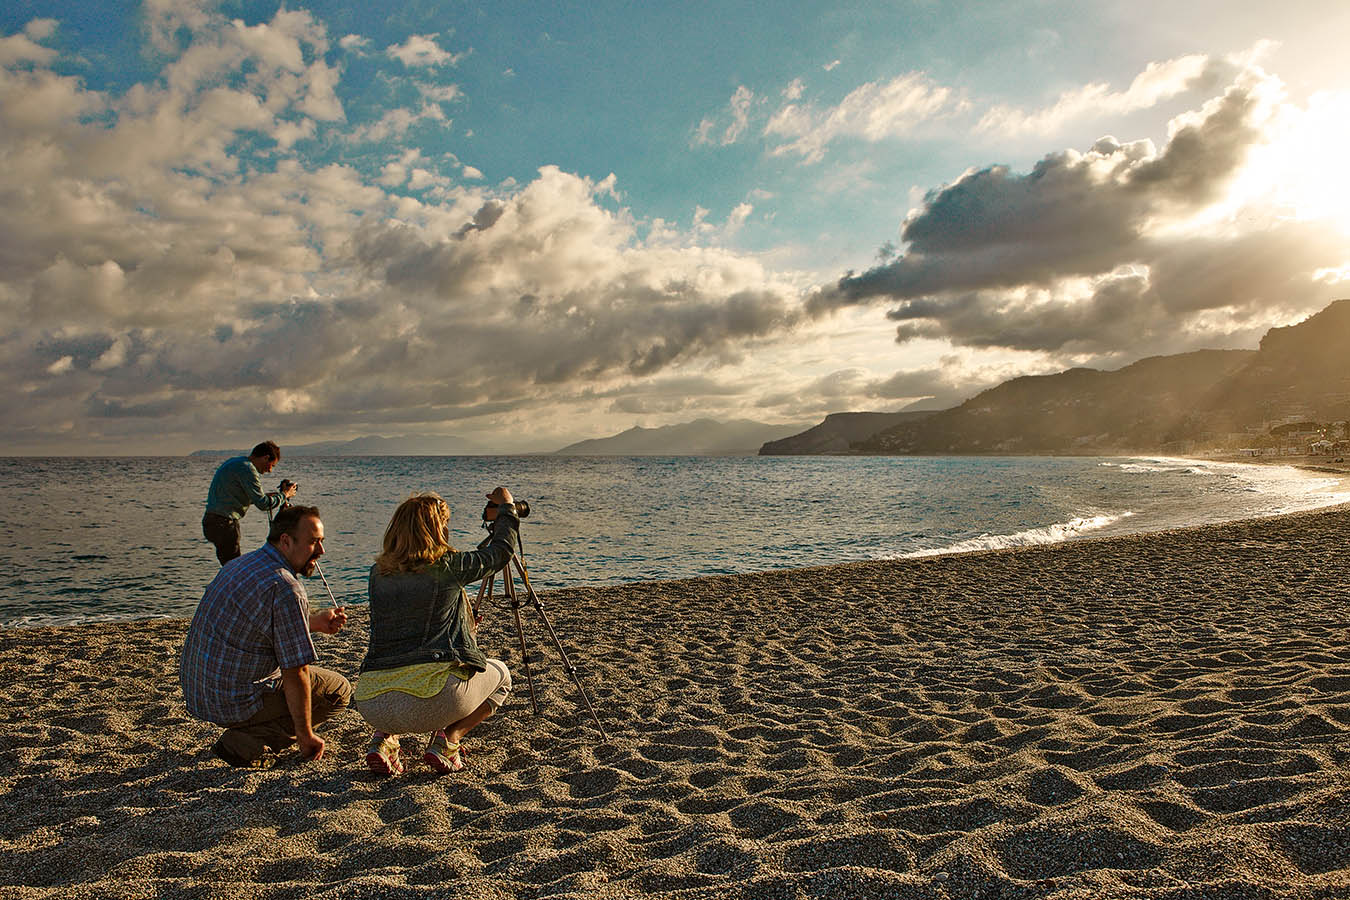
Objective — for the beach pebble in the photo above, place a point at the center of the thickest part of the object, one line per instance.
(1034, 767)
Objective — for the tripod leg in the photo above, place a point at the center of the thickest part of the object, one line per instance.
(484, 590)
(548, 626)
(510, 591)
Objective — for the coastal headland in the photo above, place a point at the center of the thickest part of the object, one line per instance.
(1163, 715)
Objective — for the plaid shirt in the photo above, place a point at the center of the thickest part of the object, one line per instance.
(252, 622)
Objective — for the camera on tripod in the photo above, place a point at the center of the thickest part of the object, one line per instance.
(513, 600)
(521, 507)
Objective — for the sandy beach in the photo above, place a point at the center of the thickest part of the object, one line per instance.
(1157, 716)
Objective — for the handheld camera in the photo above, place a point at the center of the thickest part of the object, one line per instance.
(522, 508)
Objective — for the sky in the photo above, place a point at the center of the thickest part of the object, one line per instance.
(521, 225)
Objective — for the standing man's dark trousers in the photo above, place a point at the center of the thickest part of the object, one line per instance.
(224, 533)
(245, 743)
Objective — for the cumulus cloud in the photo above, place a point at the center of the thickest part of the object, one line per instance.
(395, 123)
(410, 168)
(24, 48)
(113, 197)
(164, 19)
(152, 271)
(1108, 253)
(586, 299)
(441, 93)
(421, 50)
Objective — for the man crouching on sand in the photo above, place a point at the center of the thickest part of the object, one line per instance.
(246, 661)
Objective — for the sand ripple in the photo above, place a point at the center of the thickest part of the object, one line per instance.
(1157, 716)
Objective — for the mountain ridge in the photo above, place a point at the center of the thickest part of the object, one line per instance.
(700, 437)
(838, 432)
(1164, 403)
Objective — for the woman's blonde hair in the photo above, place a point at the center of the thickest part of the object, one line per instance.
(417, 535)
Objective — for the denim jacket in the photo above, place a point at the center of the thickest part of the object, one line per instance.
(424, 616)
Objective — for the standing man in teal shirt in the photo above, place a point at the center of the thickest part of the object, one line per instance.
(236, 484)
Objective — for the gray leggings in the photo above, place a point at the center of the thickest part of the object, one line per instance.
(395, 712)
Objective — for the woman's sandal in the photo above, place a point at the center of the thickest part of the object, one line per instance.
(442, 755)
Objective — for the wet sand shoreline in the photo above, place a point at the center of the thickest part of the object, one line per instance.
(1158, 715)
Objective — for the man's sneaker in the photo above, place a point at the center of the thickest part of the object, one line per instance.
(382, 755)
(239, 762)
(442, 755)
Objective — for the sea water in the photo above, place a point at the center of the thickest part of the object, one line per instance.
(90, 539)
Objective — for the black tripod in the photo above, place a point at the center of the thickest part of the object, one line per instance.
(513, 599)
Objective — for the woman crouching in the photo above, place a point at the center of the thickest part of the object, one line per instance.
(423, 672)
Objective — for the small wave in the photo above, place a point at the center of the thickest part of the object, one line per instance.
(1289, 487)
(57, 620)
(1048, 534)
(1151, 465)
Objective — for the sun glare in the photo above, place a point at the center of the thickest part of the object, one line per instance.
(1304, 169)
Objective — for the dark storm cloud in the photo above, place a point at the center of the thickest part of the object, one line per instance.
(1247, 276)
(987, 257)
(1120, 311)
(1072, 214)
(98, 406)
(1206, 150)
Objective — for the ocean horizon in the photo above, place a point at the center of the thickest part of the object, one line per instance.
(119, 538)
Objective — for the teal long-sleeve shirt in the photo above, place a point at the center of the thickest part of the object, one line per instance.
(235, 486)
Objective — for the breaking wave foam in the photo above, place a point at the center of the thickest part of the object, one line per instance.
(59, 620)
(1048, 534)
